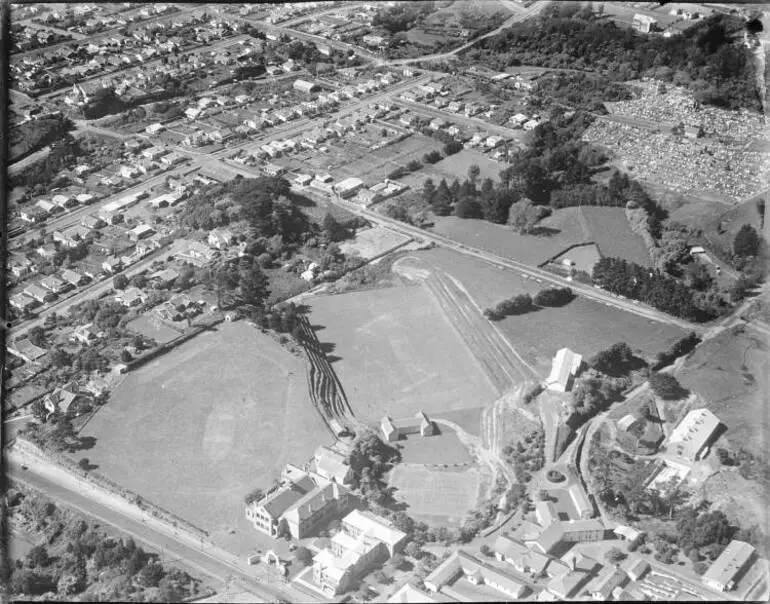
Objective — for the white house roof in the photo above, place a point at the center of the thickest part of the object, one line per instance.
(374, 526)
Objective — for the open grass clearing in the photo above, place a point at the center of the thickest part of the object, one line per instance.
(396, 353)
(433, 496)
(582, 257)
(443, 448)
(154, 328)
(611, 232)
(200, 427)
(730, 372)
(563, 225)
(372, 242)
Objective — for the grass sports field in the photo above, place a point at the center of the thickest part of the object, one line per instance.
(395, 352)
(197, 429)
(438, 497)
(444, 448)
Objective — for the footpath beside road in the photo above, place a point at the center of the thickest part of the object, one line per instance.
(193, 550)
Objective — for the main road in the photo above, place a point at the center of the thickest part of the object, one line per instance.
(111, 509)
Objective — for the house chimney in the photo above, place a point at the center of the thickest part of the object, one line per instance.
(573, 563)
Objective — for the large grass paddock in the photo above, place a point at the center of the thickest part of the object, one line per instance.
(584, 326)
(197, 429)
(435, 496)
(395, 352)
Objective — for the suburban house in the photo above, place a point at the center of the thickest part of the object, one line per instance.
(73, 277)
(53, 283)
(112, 265)
(332, 464)
(60, 400)
(395, 429)
(20, 265)
(196, 253)
(141, 231)
(165, 276)
(32, 214)
(22, 302)
(86, 334)
(690, 440)
(92, 222)
(729, 566)
(220, 238)
(409, 594)
(566, 365)
(364, 541)
(348, 187)
(644, 23)
(131, 296)
(302, 502)
(39, 294)
(305, 86)
(463, 565)
(26, 351)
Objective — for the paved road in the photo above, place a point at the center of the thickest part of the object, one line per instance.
(457, 117)
(83, 496)
(589, 292)
(522, 14)
(96, 289)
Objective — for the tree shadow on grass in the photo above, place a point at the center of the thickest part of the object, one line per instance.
(333, 358)
(327, 347)
(84, 443)
(318, 327)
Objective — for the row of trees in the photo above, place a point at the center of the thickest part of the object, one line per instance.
(523, 303)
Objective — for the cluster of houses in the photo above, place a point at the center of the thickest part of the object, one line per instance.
(116, 52)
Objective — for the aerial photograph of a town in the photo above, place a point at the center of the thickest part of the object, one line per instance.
(385, 301)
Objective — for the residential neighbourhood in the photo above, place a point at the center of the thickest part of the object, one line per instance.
(387, 302)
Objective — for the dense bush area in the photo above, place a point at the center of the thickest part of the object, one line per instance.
(30, 136)
(708, 57)
(651, 287)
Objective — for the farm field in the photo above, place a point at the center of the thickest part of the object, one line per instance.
(731, 373)
(583, 325)
(586, 327)
(372, 242)
(611, 232)
(443, 448)
(500, 240)
(396, 353)
(432, 496)
(207, 423)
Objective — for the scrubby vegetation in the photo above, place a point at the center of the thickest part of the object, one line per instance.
(78, 561)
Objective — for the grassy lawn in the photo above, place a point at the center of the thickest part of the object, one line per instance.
(154, 329)
(435, 496)
(395, 352)
(611, 232)
(284, 285)
(197, 429)
(500, 240)
(730, 372)
(444, 448)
